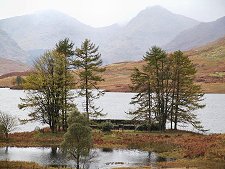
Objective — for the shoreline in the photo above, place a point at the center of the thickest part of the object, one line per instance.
(105, 90)
(186, 147)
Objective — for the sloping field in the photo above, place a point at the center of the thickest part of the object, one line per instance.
(209, 61)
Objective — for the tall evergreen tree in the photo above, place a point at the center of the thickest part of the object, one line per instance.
(88, 61)
(65, 48)
(166, 89)
(187, 96)
(159, 68)
(141, 83)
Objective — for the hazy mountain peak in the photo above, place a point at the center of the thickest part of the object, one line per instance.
(157, 8)
(222, 19)
(152, 26)
(154, 11)
(48, 11)
(43, 29)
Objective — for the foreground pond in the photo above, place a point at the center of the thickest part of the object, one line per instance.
(104, 158)
(116, 104)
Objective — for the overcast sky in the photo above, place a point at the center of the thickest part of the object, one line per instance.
(99, 13)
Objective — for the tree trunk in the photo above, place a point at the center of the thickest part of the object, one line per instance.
(78, 162)
(86, 88)
(175, 120)
(6, 135)
(149, 106)
(86, 91)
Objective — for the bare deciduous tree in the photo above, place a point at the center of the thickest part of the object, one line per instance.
(8, 123)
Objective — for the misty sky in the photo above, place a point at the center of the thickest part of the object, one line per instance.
(99, 13)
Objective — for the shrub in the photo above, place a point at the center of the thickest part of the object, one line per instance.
(129, 127)
(148, 127)
(155, 127)
(107, 126)
(143, 127)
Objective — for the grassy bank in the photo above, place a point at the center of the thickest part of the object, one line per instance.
(189, 149)
(22, 165)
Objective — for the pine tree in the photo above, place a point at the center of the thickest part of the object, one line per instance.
(88, 61)
(65, 48)
(166, 89)
(141, 83)
(187, 96)
(159, 68)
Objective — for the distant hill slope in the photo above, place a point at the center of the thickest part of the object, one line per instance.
(198, 35)
(7, 66)
(209, 60)
(9, 49)
(152, 26)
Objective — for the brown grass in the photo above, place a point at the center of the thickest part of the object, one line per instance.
(177, 144)
(209, 61)
(190, 149)
(22, 165)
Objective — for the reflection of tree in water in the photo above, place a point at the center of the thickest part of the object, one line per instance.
(107, 150)
(153, 158)
(57, 158)
(6, 150)
(149, 157)
(53, 152)
(87, 160)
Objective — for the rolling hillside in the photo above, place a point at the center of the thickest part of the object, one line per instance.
(7, 66)
(209, 60)
(198, 35)
(9, 49)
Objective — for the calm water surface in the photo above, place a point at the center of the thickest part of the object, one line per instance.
(116, 104)
(103, 159)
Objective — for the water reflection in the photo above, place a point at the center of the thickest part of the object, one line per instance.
(115, 108)
(107, 149)
(53, 152)
(6, 150)
(105, 158)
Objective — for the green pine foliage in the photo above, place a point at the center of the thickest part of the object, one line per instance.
(88, 61)
(187, 96)
(166, 90)
(65, 48)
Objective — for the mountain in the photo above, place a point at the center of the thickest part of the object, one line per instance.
(44, 29)
(9, 49)
(152, 26)
(198, 35)
(7, 66)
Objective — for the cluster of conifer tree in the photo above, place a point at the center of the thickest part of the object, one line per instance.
(165, 86)
(166, 90)
(50, 97)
